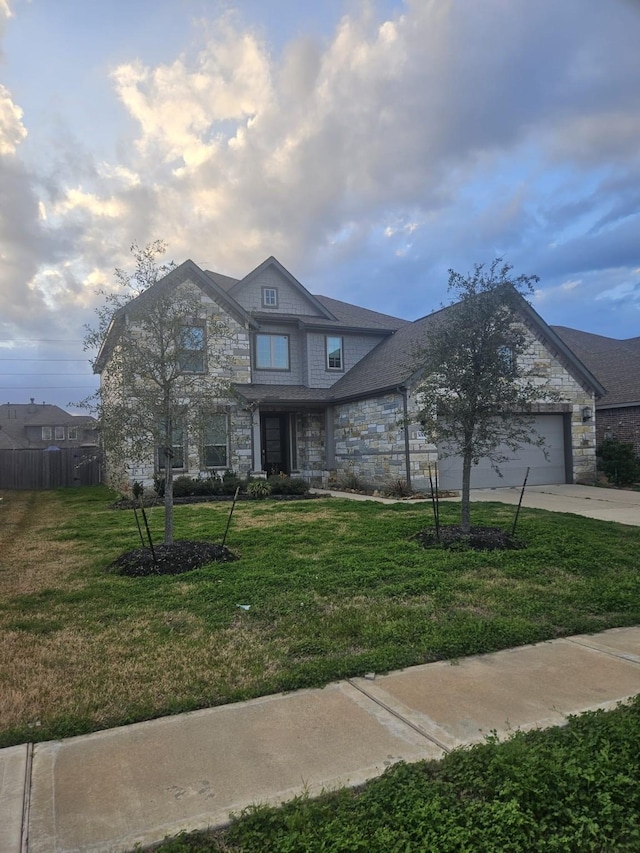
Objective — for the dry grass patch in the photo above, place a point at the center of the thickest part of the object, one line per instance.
(31, 559)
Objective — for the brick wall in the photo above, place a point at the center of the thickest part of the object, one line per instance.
(622, 424)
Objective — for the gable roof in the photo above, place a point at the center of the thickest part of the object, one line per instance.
(187, 271)
(16, 417)
(302, 291)
(392, 363)
(615, 362)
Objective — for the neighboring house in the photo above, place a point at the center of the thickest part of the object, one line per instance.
(616, 364)
(42, 425)
(325, 388)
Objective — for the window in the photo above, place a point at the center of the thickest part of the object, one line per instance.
(72, 433)
(269, 297)
(334, 353)
(507, 359)
(176, 450)
(47, 434)
(214, 450)
(191, 349)
(59, 433)
(272, 352)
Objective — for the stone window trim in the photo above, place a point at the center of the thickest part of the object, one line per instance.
(215, 442)
(334, 353)
(269, 297)
(267, 352)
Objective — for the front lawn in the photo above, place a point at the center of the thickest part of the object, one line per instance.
(323, 590)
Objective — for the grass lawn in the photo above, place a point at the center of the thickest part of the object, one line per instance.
(334, 587)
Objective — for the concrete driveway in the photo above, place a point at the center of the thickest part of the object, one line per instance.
(604, 504)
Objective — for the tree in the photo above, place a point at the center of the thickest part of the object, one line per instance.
(477, 393)
(162, 367)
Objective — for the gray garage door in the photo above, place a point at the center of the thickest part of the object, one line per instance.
(542, 471)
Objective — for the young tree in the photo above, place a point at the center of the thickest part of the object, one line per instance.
(477, 395)
(162, 367)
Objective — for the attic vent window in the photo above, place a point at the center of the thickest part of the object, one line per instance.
(270, 297)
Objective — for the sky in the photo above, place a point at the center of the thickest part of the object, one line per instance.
(369, 146)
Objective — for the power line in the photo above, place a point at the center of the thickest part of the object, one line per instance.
(41, 340)
(44, 359)
(41, 375)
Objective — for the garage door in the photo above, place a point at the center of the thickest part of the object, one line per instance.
(542, 471)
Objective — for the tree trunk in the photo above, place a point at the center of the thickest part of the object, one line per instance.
(168, 500)
(465, 504)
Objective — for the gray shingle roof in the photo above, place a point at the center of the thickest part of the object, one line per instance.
(615, 362)
(285, 393)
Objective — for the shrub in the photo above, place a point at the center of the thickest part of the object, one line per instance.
(259, 489)
(398, 489)
(230, 482)
(183, 487)
(350, 481)
(158, 485)
(618, 462)
(281, 484)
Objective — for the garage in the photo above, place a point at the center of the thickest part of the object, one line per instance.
(543, 471)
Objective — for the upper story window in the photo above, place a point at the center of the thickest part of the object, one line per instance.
(269, 297)
(72, 433)
(272, 352)
(335, 359)
(192, 349)
(214, 450)
(59, 433)
(47, 433)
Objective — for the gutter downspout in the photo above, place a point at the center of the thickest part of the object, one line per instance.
(405, 411)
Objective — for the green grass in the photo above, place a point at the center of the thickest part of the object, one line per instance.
(336, 588)
(575, 788)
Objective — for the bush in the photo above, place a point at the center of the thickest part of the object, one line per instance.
(398, 489)
(618, 462)
(259, 489)
(281, 484)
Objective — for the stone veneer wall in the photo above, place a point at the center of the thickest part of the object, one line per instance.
(621, 424)
(236, 348)
(310, 442)
(369, 440)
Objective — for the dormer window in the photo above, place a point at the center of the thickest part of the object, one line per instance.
(269, 297)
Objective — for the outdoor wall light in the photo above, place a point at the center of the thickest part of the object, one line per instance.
(587, 414)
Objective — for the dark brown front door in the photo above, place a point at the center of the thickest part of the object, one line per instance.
(275, 456)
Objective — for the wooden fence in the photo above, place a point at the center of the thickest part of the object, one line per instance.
(50, 469)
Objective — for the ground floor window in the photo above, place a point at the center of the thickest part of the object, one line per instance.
(176, 450)
(216, 442)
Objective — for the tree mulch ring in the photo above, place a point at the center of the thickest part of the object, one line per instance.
(181, 556)
(479, 539)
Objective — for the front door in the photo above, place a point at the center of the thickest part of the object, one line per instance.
(275, 456)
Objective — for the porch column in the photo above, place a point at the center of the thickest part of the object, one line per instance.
(256, 443)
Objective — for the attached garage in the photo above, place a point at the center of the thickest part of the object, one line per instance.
(543, 471)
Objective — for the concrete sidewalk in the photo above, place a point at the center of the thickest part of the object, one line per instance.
(111, 790)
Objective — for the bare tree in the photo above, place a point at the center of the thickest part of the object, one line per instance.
(477, 395)
(163, 368)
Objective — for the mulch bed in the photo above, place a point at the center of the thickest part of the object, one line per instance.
(479, 539)
(182, 556)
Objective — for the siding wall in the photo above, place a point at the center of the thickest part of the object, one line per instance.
(355, 347)
(290, 300)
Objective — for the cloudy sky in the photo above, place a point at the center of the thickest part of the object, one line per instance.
(369, 146)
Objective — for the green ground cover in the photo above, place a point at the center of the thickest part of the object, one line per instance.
(574, 789)
(335, 588)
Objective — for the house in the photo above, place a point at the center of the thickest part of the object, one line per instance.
(616, 363)
(42, 425)
(324, 388)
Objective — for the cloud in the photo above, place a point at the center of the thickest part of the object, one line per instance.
(447, 133)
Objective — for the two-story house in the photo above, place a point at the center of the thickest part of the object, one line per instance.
(43, 425)
(324, 388)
